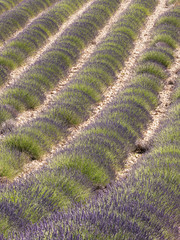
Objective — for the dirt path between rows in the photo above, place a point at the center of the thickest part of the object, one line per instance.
(123, 79)
(27, 116)
(158, 115)
(17, 73)
(14, 35)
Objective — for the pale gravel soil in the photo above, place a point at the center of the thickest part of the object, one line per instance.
(17, 73)
(123, 79)
(29, 115)
(51, 95)
(14, 35)
(158, 115)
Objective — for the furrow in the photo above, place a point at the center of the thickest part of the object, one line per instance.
(42, 31)
(45, 74)
(91, 162)
(144, 206)
(17, 17)
(80, 93)
(50, 97)
(158, 115)
(8, 5)
(123, 79)
(14, 35)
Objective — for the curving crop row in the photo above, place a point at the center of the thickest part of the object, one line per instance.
(74, 102)
(145, 206)
(69, 185)
(53, 175)
(103, 146)
(7, 5)
(35, 36)
(17, 17)
(74, 172)
(29, 92)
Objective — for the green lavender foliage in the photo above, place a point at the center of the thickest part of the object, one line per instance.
(99, 155)
(16, 18)
(37, 138)
(35, 36)
(55, 62)
(145, 206)
(7, 5)
(172, 2)
(47, 127)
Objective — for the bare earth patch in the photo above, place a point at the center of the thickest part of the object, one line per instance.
(158, 115)
(51, 95)
(123, 78)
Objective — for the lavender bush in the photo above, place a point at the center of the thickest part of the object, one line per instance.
(73, 103)
(52, 67)
(35, 35)
(16, 18)
(7, 5)
(144, 206)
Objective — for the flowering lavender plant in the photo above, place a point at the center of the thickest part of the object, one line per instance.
(36, 34)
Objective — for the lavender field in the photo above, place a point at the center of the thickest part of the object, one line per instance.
(89, 119)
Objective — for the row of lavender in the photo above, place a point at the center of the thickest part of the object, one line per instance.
(35, 36)
(17, 17)
(7, 5)
(145, 206)
(93, 159)
(29, 91)
(73, 103)
(66, 50)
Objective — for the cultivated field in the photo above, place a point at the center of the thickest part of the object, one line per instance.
(89, 119)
